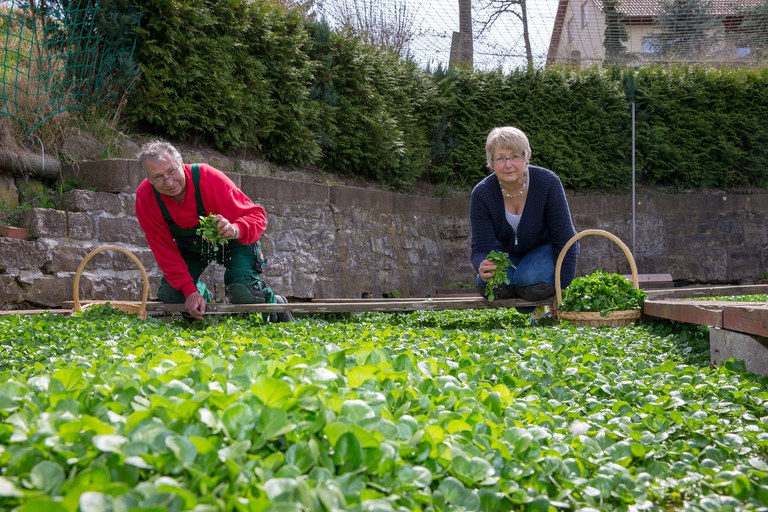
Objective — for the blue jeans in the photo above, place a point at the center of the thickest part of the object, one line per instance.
(536, 266)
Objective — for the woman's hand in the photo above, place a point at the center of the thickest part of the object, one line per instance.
(485, 270)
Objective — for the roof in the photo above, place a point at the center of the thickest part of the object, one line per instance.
(644, 8)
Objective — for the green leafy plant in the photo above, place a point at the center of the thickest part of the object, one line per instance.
(105, 411)
(603, 292)
(503, 264)
(209, 230)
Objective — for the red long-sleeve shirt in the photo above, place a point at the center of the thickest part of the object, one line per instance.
(220, 195)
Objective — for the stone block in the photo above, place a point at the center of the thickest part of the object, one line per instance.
(21, 254)
(48, 291)
(253, 168)
(414, 205)
(357, 199)
(128, 204)
(90, 201)
(752, 350)
(65, 258)
(80, 226)
(274, 191)
(114, 175)
(121, 230)
(10, 291)
(45, 222)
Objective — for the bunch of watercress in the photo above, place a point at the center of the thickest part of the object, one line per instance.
(501, 259)
(209, 230)
(601, 292)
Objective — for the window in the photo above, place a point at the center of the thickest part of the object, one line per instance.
(744, 51)
(584, 14)
(651, 45)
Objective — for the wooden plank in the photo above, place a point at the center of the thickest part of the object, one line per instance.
(356, 307)
(653, 280)
(708, 291)
(392, 300)
(690, 311)
(747, 318)
(343, 305)
(36, 311)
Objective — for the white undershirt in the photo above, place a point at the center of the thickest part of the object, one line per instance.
(514, 220)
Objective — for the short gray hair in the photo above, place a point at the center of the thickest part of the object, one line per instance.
(159, 150)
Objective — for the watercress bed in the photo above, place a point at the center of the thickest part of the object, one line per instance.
(432, 411)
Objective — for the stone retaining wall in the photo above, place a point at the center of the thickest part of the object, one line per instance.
(338, 241)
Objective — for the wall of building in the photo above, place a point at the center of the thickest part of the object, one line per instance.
(337, 241)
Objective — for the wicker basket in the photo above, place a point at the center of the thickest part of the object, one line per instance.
(594, 318)
(125, 306)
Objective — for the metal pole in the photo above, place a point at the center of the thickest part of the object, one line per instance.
(634, 202)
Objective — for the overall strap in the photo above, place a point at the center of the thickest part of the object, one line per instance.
(198, 194)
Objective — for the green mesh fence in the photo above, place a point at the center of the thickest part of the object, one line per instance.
(64, 55)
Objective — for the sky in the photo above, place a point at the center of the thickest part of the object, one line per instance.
(502, 46)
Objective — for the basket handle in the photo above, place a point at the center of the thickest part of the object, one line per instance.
(145, 290)
(582, 234)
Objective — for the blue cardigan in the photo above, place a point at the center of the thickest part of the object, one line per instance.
(546, 219)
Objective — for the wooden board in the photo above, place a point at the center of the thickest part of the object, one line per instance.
(653, 281)
(343, 305)
(747, 318)
(707, 291)
(690, 311)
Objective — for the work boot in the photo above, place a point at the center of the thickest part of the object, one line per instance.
(238, 293)
(536, 292)
(285, 316)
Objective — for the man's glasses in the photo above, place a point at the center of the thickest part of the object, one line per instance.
(161, 178)
(505, 159)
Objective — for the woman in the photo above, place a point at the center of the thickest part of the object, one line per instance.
(520, 209)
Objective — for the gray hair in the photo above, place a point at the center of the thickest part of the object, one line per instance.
(159, 150)
(507, 137)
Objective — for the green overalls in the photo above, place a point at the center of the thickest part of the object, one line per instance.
(242, 262)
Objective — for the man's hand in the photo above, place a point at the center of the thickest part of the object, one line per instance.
(195, 305)
(226, 229)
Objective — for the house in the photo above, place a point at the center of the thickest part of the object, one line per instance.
(579, 32)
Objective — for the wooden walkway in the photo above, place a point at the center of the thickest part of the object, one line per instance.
(745, 317)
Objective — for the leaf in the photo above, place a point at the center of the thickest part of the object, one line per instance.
(47, 476)
(274, 422)
(471, 470)
(109, 442)
(356, 411)
(182, 448)
(272, 392)
(347, 453)
(42, 505)
(9, 489)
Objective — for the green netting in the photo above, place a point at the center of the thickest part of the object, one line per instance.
(63, 55)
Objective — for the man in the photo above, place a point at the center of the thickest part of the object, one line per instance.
(169, 204)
